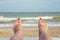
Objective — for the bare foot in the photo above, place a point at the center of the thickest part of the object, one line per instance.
(43, 35)
(17, 27)
(42, 25)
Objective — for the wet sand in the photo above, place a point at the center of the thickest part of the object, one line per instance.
(29, 32)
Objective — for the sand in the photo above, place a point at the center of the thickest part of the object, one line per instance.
(29, 32)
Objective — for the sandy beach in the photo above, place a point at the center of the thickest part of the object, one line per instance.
(7, 32)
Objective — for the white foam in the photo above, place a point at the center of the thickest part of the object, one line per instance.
(24, 18)
(30, 21)
(28, 25)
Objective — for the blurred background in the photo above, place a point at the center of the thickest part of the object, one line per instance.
(29, 11)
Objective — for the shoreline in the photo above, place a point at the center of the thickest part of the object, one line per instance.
(7, 32)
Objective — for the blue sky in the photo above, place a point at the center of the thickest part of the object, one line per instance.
(29, 5)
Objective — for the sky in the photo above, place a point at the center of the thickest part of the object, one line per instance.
(29, 5)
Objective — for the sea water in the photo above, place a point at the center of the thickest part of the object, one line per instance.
(32, 22)
(29, 19)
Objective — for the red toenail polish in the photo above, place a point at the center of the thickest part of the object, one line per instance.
(18, 18)
(40, 18)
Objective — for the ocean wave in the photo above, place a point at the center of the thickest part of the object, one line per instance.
(29, 25)
(6, 19)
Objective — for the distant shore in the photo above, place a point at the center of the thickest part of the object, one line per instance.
(7, 32)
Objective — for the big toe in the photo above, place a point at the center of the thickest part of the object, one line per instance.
(42, 22)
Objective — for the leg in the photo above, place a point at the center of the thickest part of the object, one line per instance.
(17, 27)
(43, 30)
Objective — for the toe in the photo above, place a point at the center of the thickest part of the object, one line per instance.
(42, 21)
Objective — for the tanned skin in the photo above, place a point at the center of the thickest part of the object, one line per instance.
(42, 26)
(17, 28)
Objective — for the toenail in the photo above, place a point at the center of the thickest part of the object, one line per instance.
(40, 18)
(18, 18)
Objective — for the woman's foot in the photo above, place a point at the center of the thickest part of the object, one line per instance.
(17, 27)
(42, 26)
(43, 35)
